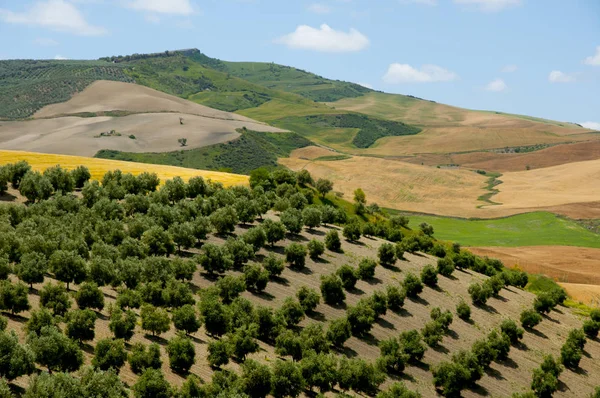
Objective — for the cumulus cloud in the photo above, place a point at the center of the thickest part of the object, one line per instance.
(60, 57)
(557, 76)
(496, 85)
(489, 5)
(404, 73)
(593, 59)
(57, 15)
(367, 85)
(509, 69)
(318, 8)
(324, 39)
(591, 125)
(174, 7)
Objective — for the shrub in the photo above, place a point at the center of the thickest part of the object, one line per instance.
(451, 378)
(378, 301)
(577, 337)
(530, 319)
(352, 231)
(483, 351)
(122, 324)
(109, 354)
(89, 296)
(315, 249)
(366, 269)
(432, 333)
(595, 315)
(512, 330)
(412, 285)
(445, 266)
(361, 318)
(81, 325)
(590, 328)
(544, 303)
(185, 319)
(295, 255)
(499, 343)
(339, 331)
(243, 341)
(391, 358)
(570, 355)
(308, 298)
(360, 376)
(291, 311)
(443, 318)
(230, 287)
(387, 255)
(275, 231)
(273, 265)
(429, 276)
(154, 320)
(287, 380)
(332, 290)
(219, 352)
(480, 293)
(182, 354)
(463, 311)
(332, 241)
(292, 219)
(256, 277)
(152, 383)
(395, 297)
(412, 345)
(348, 276)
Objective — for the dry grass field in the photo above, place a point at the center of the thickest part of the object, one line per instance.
(154, 123)
(400, 185)
(41, 161)
(501, 380)
(450, 129)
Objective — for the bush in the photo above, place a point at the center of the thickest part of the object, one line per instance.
(451, 378)
(273, 265)
(89, 296)
(291, 311)
(332, 241)
(185, 319)
(348, 276)
(432, 333)
(292, 219)
(412, 285)
(387, 255)
(152, 383)
(339, 331)
(512, 330)
(275, 231)
(530, 319)
(395, 297)
(391, 358)
(143, 357)
(360, 376)
(308, 298)
(499, 343)
(483, 351)
(256, 277)
(445, 266)
(315, 249)
(412, 345)
(256, 379)
(295, 255)
(243, 341)
(361, 318)
(182, 354)
(81, 325)
(544, 303)
(463, 311)
(443, 318)
(480, 293)
(311, 217)
(230, 287)
(155, 320)
(590, 328)
(287, 380)
(429, 276)
(122, 324)
(366, 269)
(352, 231)
(332, 290)
(595, 315)
(109, 354)
(570, 355)
(219, 352)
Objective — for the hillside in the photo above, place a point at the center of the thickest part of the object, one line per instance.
(205, 276)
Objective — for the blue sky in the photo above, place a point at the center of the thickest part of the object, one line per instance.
(535, 57)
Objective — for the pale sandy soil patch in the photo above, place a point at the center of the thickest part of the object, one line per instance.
(312, 152)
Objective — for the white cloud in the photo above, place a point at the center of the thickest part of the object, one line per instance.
(53, 14)
(152, 18)
(509, 69)
(367, 85)
(424, 2)
(496, 85)
(594, 59)
(591, 125)
(404, 73)
(45, 41)
(489, 5)
(557, 76)
(60, 57)
(318, 8)
(175, 7)
(324, 39)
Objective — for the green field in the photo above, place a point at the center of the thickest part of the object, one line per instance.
(531, 229)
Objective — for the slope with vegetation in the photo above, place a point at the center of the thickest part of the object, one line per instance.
(262, 291)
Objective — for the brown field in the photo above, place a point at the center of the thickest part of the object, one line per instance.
(312, 152)
(587, 294)
(567, 264)
(502, 379)
(400, 185)
(154, 132)
(551, 186)
(504, 162)
(450, 129)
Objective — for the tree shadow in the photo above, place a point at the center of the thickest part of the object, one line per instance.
(558, 310)
(7, 197)
(494, 373)
(303, 270)
(440, 349)
(15, 317)
(521, 346)
(436, 287)
(509, 363)
(452, 334)
(280, 280)
(374, 281)
(402, 312)
(503, 299)
(537, 333)
(315, 232)
(356, 291)
(451, 277)
(317, 316)
(87, 348)
(479, 390)
(562, 387)
(339, 306)
(586, 354)
(392, 268)
(421, 365)
(369, 339)
(418, 300)
(385, 324)
(156, 339)
(296, 237)
(347, 351)
(488, 308)
(321, 260)
(263, 295)
(356, 243)
(17, 391)
(100, 315)
(547, 317)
